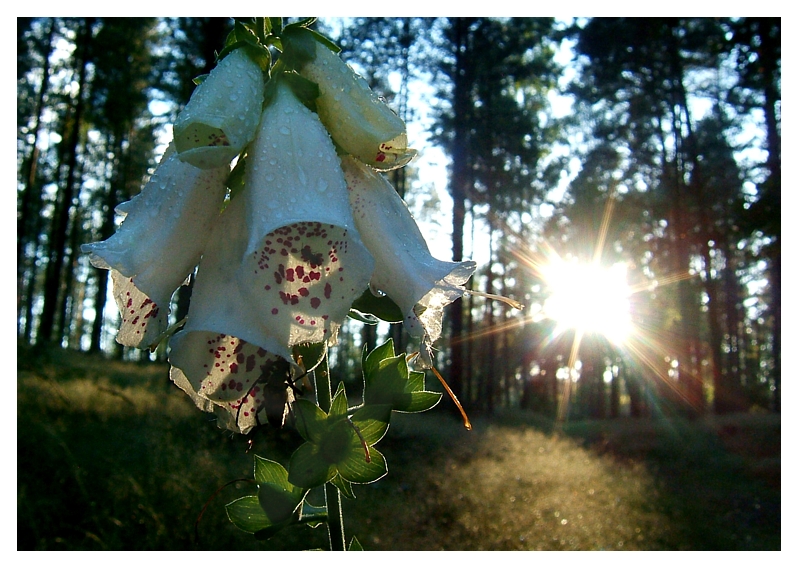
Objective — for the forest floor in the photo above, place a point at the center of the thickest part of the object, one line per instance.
(111, 456)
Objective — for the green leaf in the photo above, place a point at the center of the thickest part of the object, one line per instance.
(299, 46)
(310, 420)
(339, 404)
(308, 469)
(247, 515)
(370, 361)
(381, 307)
(362, 317)
(389, 382)
(356, 469)
(236, 178)
(355, 545)
(312, 515)
(344, 486)
(421, 402)
(386, 382)
(304, 23)
(279, 504)
(275, 25)
(325, 41)
(306, 91)
(337, 442)
(268, 471)
(372, 422)
(277, 496)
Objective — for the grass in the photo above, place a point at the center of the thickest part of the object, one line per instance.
(111, 456)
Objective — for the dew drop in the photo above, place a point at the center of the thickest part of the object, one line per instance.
(284, 130)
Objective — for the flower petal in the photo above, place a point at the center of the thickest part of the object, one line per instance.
(357, 119)
(159, 243)
(246, 385)
(405, 270)
(306, 263)
(222, 114)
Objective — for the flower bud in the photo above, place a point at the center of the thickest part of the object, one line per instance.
(222, 115)
(356, 118)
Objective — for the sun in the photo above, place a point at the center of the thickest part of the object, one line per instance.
(588, 298)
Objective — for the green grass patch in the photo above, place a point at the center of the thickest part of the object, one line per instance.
(110, 455)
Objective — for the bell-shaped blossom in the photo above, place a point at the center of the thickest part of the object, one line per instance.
(225, 356)
(405, 270)
(361, 123)
(222, 114)
(158, 244)
(283, 266)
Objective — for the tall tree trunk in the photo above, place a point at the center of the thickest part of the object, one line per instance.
(59, 233)
(459, 190)
(768, 59)
(28, 221)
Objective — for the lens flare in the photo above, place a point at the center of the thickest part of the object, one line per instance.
(589, 298)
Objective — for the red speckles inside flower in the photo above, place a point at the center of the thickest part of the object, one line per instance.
(300, 269)
(251, 384)
(137, 315)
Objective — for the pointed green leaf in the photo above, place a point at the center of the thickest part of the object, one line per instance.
(299, 46)
(308, 469)
(386, 381)
(371, 360)
(268, 471)
(416, 381)
(344, 486)
(279, 504)
(312, 515)
(246, 513)
(372, 422)
(356, 469)
(310, 420)
(381, 307)
(362, 317)
(339, 404)
(421, 402)
(275, 25)
(355, 545)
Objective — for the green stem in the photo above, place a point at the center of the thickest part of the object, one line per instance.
(333, 499)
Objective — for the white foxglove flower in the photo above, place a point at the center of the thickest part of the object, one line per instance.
(356, 118)
(159, 244)
(283, 267)
(405, 270)
(222, 115)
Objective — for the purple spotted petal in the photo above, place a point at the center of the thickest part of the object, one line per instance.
(159, 243)
(246, 385)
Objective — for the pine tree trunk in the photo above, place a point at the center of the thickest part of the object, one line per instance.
(59, 233)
